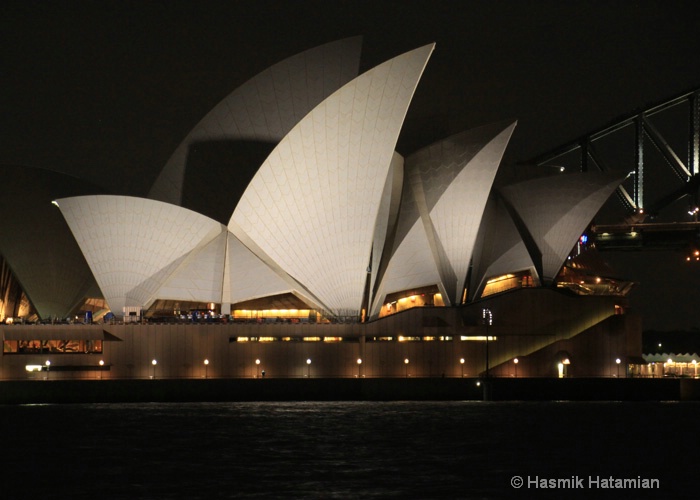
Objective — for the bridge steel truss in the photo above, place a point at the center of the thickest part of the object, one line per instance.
(637, 210)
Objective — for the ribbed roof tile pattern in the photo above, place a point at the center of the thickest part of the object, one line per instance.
(411, 266)
(200, 276)
(445, 195)
(313, 205)
(248, 277)
(134, 245)
(457, 214)
(557, 209)
(499, 249)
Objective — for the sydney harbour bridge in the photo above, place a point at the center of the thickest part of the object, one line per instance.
(657, 151)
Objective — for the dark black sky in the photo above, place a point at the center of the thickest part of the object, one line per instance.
(106, 90)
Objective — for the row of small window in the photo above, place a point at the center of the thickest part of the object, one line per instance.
(398, 338)
(52, 346)
(293, 339)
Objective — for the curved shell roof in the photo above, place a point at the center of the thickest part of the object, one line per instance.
(556, 210)
(312, 207)
(500, 248)
(334, 211)
(136, 246)
(442, 207)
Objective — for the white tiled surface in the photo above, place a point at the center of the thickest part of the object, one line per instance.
(200, 277)
(411, 266)
(499, 249)
(557, 209)
(248, 277)
(448, 186)
(313, 204)
(457, 215)
(134, 245)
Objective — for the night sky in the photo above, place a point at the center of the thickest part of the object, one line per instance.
(107, 90)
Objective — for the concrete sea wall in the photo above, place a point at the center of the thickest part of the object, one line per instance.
(346, 389)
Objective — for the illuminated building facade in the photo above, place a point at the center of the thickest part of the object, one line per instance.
(341, 257)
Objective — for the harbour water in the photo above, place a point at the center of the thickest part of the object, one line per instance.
(347, 449)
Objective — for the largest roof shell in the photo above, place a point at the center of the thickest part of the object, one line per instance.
(312, 207)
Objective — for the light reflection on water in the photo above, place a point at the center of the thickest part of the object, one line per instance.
(338, 450)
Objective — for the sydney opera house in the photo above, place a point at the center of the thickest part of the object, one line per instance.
(319, 252)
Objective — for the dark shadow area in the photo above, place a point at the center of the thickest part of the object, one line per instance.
(217, 174)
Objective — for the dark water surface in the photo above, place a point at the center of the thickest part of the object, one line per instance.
(344, 450)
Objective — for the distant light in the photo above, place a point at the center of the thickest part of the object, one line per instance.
(670, 361)
(561, 169)
(659, 344)
(102, 363)
(206, 361)
(566, 362)
(516, 361)
(405, 361)
(48, 363)
(584, 238)
(461, 360)
(55, 203)
(154, 362)
(359, 361)
(33, 368)
(618, 361)
(478, 383)
(257, 361)
(308, 361)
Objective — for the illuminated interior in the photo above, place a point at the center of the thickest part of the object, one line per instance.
(52, 346)
(510, 281)
(586, 273)
(408, 299)
(291, 339)
(276, 315)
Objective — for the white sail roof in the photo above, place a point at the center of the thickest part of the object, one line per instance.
(135, 246)
(313, 205)
(557, 209)
(447, 187)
